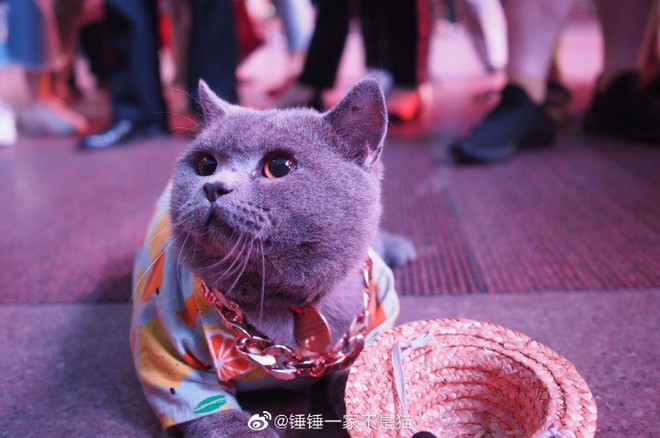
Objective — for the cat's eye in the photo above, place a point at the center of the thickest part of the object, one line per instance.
(206, 165)
(278, 166)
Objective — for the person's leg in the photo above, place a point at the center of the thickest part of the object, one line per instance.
(182, 25)
(213, 54)
(34, 43)
(135, 88)
(533, 29)
(323, 56)
(298, 21)
(409, 34)
(408, 39)
(297, 17)
(67, 14)
(95, 42)
(485, 22)
(68, 18)
(650, 56)
(8, 131)
(621, 106)
(327, 44)
(136, 96)
(374, 25)
(519, 119)
(624, 27)
(557, 94)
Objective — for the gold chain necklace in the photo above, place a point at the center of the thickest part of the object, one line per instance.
(282, 361)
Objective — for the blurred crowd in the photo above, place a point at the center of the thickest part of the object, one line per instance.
(122, 43)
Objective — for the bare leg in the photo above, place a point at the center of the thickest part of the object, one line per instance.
(621, 107)
(486, 26)
(650, 57)
(624, 27)
(533, 27)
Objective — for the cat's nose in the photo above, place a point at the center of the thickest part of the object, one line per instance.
(213, 190)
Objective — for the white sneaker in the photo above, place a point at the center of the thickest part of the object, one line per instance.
(8, 132)
(51, 118)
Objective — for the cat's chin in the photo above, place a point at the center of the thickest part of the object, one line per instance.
(225, 230)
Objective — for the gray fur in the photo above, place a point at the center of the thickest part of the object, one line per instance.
(395, 249)
(269, 244)
(223, 424)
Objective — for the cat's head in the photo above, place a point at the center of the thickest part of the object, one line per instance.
(292, 196)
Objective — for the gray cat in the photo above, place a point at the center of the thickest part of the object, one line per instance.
(276, 211)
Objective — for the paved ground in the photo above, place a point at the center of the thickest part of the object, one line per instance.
(76, 376)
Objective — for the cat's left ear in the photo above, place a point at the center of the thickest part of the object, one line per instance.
(361, 120)
(213, 107)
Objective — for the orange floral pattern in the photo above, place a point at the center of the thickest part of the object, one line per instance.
(226, 359)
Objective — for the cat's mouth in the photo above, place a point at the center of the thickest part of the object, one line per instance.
(231, 226)
(210, 218)
(217, 222)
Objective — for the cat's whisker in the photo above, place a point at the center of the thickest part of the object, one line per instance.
(226, 257)
(164, 230)
(171, 129)
(146, 271)
(245, 264)
(236, 263)
(173, 225)
(178, 259)
(188, 203)
(263, 280)
(168, 229)
(186, 128)
(191, 120)
(190, 95)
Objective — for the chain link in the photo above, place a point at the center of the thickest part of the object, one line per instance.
(282, 361)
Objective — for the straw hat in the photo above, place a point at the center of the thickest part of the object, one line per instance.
(456, 377)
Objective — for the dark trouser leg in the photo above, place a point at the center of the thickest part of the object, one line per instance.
(96, 44)
(375, 33)
(213, 54)
(409, 33)
(327, 44)
(135, 89)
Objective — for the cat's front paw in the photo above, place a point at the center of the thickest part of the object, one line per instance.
(395, 249)
(232, 423)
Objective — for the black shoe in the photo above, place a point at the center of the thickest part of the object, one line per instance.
(120, 132)
(516, 122)
(625, 110)
(557, 98)
(653, 87)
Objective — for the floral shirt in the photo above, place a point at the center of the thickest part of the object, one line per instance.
(185, 357)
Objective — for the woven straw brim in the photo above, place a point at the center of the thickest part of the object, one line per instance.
(472, 379)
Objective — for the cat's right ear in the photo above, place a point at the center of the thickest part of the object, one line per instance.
(213, 107)
(360, 118)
